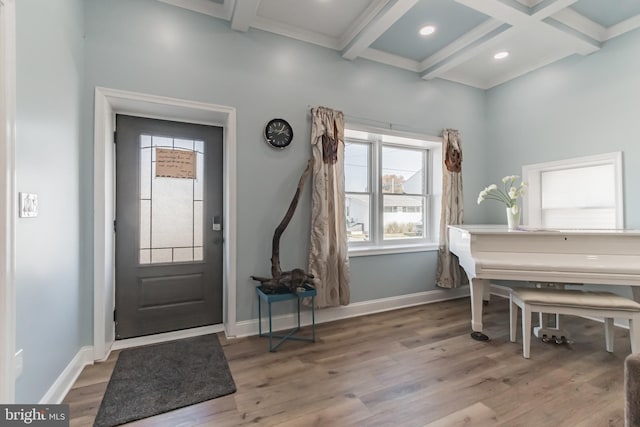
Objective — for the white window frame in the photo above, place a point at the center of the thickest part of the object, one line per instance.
(531, 174)
(433, 179)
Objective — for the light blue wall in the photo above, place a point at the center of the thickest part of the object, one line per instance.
(580, 106)
(53, 320)
(577, 107)
(147, 46)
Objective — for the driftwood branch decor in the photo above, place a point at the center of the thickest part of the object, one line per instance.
(286, 281)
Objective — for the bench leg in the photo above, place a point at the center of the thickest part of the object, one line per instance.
(513, 322)
(634, 333)
(608, 333)
(526, 330)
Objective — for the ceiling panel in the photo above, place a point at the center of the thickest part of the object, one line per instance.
(450, 19)
(607, 12)
(527, 51)
(328, 17)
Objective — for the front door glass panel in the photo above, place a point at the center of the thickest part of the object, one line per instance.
(171, 200)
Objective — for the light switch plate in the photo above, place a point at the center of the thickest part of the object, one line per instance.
(28, 205)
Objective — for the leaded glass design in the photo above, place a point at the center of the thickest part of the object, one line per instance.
(171, 209)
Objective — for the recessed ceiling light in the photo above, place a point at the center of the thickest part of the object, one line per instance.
(427, 30)
(501, 55)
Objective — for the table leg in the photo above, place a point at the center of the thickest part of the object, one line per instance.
(270, 329)
(477, 287)
(259, 317)
(313, 318)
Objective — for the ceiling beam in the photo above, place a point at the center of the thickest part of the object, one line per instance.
(371, 32)
(363, 20)
(243, 14)
(502, 10)
(511, 12)
(547, 8)
(623, 27)
(581, 23)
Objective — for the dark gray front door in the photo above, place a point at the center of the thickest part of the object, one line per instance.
(168, 233)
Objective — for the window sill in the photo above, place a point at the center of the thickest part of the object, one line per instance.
(391, 249)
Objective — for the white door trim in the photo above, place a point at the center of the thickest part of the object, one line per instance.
(8, 199)
(108, 103)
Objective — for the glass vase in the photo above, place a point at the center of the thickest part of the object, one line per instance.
(513, 218)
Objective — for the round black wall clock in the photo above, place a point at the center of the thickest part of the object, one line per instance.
(278, 133)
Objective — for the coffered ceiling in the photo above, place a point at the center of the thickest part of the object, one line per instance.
(467, 33)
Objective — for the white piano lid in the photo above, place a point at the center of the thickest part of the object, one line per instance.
(503, 229)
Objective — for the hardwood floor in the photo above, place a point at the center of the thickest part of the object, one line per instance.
(411, 367)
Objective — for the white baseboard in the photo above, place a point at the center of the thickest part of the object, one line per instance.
(250, 327)
(64, 382)
(164, 337)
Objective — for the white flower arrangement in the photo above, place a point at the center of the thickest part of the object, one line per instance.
(508, 194)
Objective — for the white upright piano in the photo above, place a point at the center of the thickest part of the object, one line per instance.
(490, 252)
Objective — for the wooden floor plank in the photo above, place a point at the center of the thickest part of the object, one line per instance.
(476, 415)
(411, 367)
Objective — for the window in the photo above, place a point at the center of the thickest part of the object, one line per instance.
(577, 193)
(389, 180)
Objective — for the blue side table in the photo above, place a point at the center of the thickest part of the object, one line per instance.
(270, 298)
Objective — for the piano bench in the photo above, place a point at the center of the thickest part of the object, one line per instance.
(575, 303)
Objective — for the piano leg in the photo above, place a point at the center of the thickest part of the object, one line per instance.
(478, 287)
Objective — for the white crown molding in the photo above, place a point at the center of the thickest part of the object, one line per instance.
(205, 7)
(464, 81)
(243, 14)
(271, 26)
(520, 72)
(363, 20)
(390, 59)
(69, 375)
(461, 43)
(377, 27)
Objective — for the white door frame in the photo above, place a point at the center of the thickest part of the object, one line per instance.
(8, 199)
(108, 103)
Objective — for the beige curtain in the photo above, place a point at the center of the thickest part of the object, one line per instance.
(450, 274)
(328, 256)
